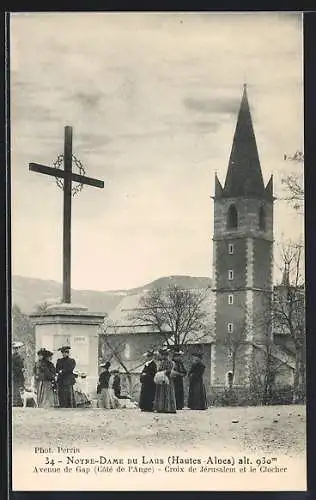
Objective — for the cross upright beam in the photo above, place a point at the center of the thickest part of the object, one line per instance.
(69, 177)
(67, 216)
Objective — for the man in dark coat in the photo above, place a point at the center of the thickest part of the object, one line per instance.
(148, 389)
(178, 372)
(116, 386)
(197, 393)
(18, 380)
(65, 379)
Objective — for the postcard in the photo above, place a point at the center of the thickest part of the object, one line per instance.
(158, 290)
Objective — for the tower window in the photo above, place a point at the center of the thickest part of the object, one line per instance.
(231, 248)
(232, 217)
(262, 219)
(230, 299)
(230, 327)
(230, 274)
(127, 351)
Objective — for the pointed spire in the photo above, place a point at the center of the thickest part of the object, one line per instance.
(269, 188)
(218, 187)
(244, 176)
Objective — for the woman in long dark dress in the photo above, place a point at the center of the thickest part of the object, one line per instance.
(178, 373)
(44, 377)
(197, 393)
(18, 380)
(165, 399)
(148, 386)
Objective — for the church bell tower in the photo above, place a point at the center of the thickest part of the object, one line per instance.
(242, 256)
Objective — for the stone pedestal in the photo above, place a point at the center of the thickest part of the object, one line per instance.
(73, 325)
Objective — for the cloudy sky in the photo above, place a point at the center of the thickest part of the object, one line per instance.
(152, 99)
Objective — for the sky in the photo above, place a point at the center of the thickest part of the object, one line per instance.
(153, 102)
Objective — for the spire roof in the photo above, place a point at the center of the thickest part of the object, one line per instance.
(244, 175)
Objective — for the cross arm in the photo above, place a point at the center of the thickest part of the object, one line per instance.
(56, 172)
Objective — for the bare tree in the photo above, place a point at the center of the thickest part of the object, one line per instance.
(294, 182)
(265, 371)
(264, 365)
(115, 347)
(176, 313)
(289, 311)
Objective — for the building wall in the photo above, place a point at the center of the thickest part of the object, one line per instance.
(284, 376)
(226, 261)
(129, 347)
(224, 364)
(263, 263)
(283, 373)
(262, 323)
(248, 217)
(251, 263)
(230, 313)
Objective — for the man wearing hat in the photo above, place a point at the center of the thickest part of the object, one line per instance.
(65, 379)
(148, 389)
(17, 374)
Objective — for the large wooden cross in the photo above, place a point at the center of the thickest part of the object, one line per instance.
(69, 176)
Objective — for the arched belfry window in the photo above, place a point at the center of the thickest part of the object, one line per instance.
(232, 217)
(262, 219)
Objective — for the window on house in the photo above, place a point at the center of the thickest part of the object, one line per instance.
(230, 327)
(232, 217)
(229, 379)
(230, 299)
(262, 219)
(231, 248)
(230, 274)
(127, 351)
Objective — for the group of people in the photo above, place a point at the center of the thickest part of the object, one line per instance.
(53, 386)
(162, 388)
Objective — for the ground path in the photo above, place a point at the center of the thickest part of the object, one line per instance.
(279, 429)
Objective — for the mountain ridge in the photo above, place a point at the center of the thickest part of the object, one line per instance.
(28, 293)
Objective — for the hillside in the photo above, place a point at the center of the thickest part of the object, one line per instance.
(27, 293)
